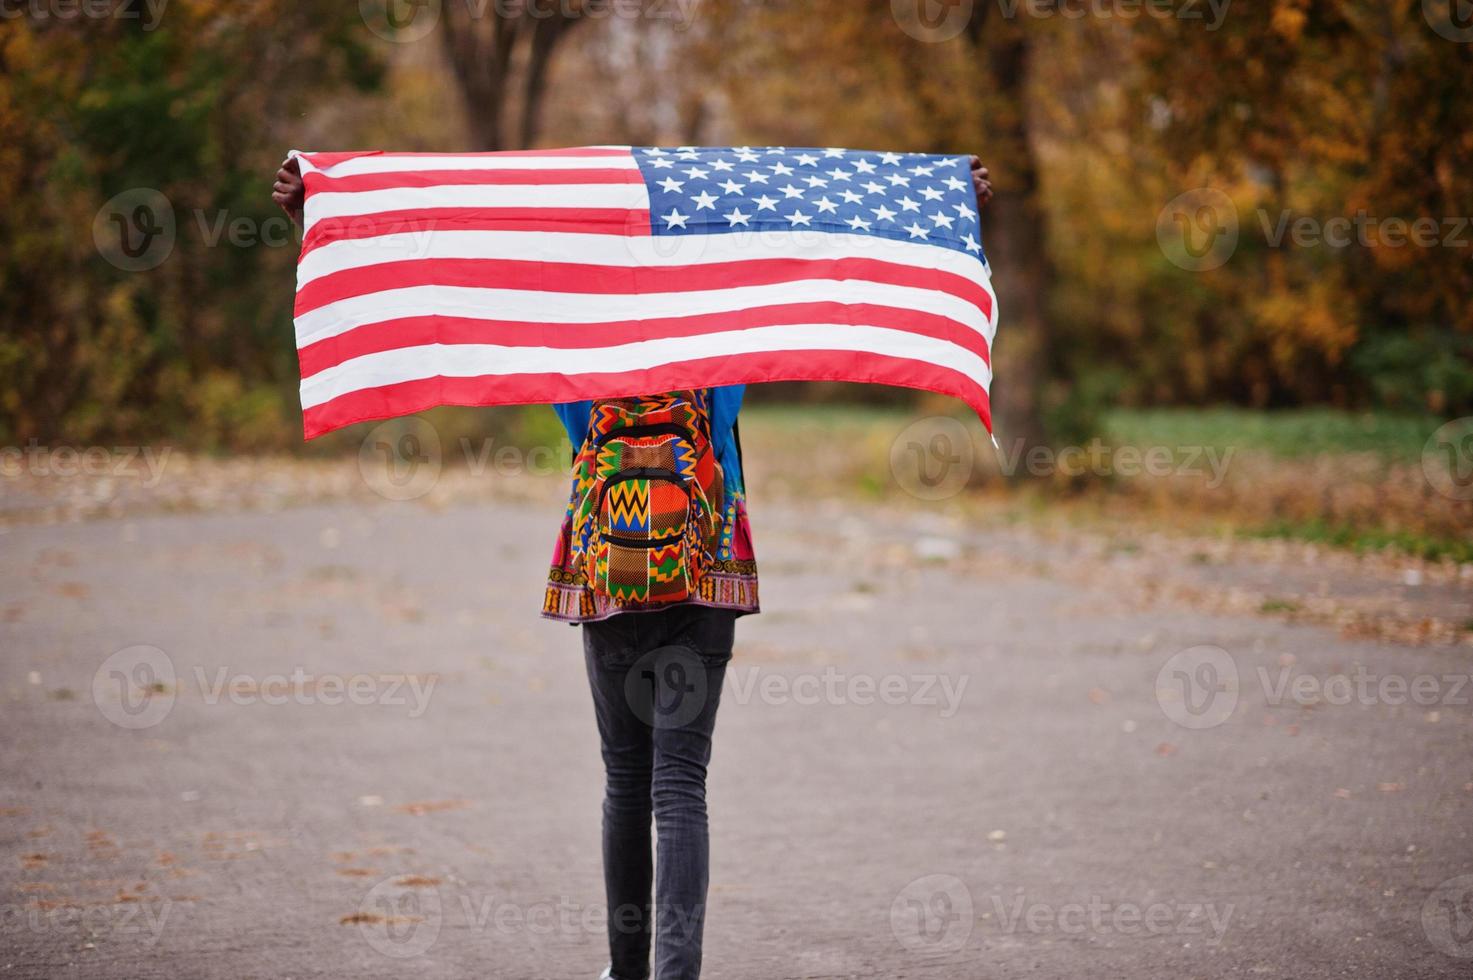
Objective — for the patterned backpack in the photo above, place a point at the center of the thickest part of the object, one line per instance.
(647, 526)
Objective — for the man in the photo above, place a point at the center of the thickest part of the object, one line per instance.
(654, 559)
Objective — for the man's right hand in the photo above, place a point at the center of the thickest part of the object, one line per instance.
(289, 191)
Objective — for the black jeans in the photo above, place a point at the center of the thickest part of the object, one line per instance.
(656, 680)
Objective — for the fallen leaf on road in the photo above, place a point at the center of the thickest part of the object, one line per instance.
(417, 881)
(1165, 749)
(432, 806)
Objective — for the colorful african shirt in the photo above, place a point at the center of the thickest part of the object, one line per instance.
(730, 579)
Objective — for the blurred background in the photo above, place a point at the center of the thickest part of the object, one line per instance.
(1202, 618)
(1220, 227)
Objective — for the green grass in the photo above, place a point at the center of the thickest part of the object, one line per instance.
(1291, 434)
(1432, 548)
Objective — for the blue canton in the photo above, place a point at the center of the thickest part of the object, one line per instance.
(913, 197)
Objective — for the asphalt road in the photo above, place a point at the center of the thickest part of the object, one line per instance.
(336, 740)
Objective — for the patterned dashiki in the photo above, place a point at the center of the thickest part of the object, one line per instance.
(730, 581)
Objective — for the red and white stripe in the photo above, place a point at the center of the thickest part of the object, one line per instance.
(513, 278)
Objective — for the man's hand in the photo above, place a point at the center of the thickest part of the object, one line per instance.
(291, 193)
(981, 182)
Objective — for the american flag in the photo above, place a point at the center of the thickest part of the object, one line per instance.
(598, 272)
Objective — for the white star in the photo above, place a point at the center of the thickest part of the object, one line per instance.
(722, 165)
(833, 153)
(953, 184)
(656, 151)
(825, 206)
(817, 182)
(838, 174)
(852, 198)
(942, 220)
(916, 230)
(731, 186)
(674, 219)
(907, 204)
(807, 159)
(923, 171)
(756, 177)
(799, 218)
(972, 244)
(781, 169)
(697, 172)
(705, 199)
(791, 191)
(661, 163)
(745, 154)
(671, 184)
(859, 224)
(962, 211)
(776, 149)
(874, 188)
(737, 218)
(898, 180)
(864, 166)
(765, 203)
(688, 153)
(932, 194)
(883, 213)
(893, 159)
